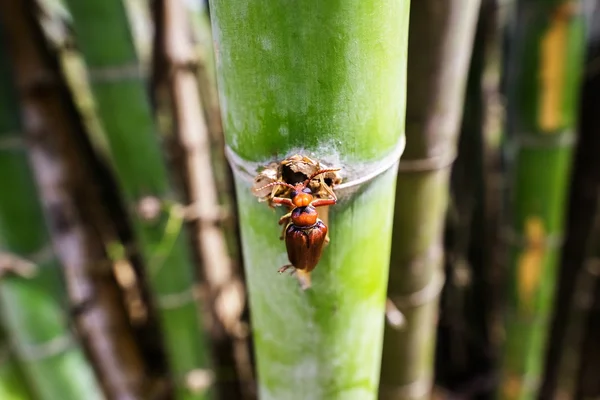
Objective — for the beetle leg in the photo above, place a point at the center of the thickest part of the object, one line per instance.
(285, 218)
(284, 221)
(323, 202)
(285, 268)
(282, 236)
(282, 200)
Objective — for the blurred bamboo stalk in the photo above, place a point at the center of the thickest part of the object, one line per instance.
(31, 292)
(440, 41)
(118, 83)
(570, 304)
(59, 158)
(464, 351)
(542, 80)
(207, 79)
(177, 71)
(13, 385)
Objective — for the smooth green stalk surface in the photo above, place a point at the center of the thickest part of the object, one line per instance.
(12, 381)
(545, 64)
(12, 385)
(324, 79)
(33, 309)
(120, 92)
(316, 75)
(440, 42)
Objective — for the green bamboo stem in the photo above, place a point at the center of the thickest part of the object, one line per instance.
(581, 233)
(104, 38)
(326, 80)
(77, 221)
(439, 51)
(13, 385)
(33, 308)
(544, 68)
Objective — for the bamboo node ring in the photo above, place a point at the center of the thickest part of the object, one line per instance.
(114, 73)
(38, 351)
(433, 163)
(174, 300)
(352, 177)
(428, 294)
(12, 141)
(413, 390)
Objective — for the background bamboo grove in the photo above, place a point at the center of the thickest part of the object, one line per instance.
(137, 263)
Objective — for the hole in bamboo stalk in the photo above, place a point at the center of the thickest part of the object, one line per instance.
(294, 170)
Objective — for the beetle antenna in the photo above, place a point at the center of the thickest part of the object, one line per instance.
(319, 172)
(278, 183)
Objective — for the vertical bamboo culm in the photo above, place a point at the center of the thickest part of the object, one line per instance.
(545, 61)
(326, 80)
(440, 41)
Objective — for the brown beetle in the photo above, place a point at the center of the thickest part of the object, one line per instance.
(304, 232)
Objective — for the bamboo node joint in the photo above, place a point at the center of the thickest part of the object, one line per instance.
(38, 351)
(176, 300)
(433, 163)
(429, 293)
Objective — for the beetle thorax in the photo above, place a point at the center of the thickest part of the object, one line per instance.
(304, 216)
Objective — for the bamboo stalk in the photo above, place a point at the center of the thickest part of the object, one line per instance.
(544, 69)
(573, 281)
(52, 128)
(207, 80)
(12, 381)
(225, 290)
(463, 350)
(31, 300)
(117, 82)
(300, 79)
(439, 52)
(118, 232)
